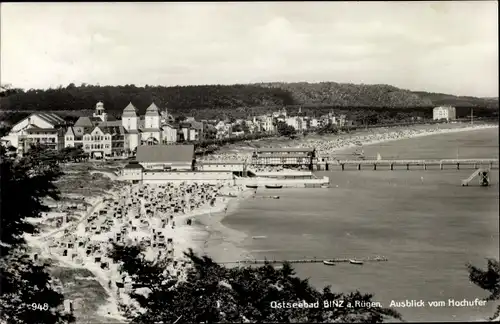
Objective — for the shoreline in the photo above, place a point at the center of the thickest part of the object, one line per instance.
(428, 132)
(220, 242)
(213, 227)
(329, 144)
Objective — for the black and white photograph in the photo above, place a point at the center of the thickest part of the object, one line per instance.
(249, 162)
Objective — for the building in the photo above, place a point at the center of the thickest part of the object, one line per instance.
(169, 134)
(313, 123)
(192, 130)
(444, 112)
(99, 135)
(102, 136)
(166, 157)
(133, 170)
(296, 122)
(284, 156)
(39, 128)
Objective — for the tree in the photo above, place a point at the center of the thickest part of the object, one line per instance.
(328, 129)
(24, 182)
(285, 130)
(488, 280)
(179, 119)
(212, 293)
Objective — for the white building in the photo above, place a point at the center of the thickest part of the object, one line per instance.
(169, 134)
(99, 135)
(444, 112)
(39, 128)
(268, 123)
(295, 122)
(313, 122)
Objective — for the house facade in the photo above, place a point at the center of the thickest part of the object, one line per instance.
(444, 112)
(100, 136)
(40, 128)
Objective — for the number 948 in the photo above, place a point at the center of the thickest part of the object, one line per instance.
(40, 307)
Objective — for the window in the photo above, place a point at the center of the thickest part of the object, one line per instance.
(107, 145)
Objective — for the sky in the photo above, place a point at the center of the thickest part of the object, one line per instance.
(447, 47)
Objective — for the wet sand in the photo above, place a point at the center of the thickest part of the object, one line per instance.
(219, 242)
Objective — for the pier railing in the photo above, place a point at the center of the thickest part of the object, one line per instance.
(314, 260)
(476, 163)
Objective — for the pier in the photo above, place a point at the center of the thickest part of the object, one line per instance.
(407, 164)
(314, 260)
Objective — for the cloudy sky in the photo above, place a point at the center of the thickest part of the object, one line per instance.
(449, 47)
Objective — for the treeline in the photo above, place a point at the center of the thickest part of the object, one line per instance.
(116, 98)
(374, 95)
(240, 101)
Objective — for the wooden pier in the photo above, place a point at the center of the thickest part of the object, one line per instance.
(315, 260)
(406, 164)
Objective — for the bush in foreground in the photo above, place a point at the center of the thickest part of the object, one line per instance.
(488, 280)
(212, 293)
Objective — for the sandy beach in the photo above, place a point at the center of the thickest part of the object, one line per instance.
(140, 214)
(331, 145)
(228, 240)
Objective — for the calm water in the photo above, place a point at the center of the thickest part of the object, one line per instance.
(424, 222)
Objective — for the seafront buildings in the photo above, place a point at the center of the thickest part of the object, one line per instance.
(102, 136)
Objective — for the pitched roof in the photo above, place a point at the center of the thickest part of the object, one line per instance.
(111, 123)
(39, 129)
(129, 111)
(165, 153)
(113, 130)
(51, 118)
(196, 125)
(70, 131)
(133, 165)
(168, 125)
(84, 122)
(152, 110)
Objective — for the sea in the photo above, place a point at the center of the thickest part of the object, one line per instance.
(423, 221)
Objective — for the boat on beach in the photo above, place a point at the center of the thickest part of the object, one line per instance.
(328, 263)
(273, 187)
(352, 261)
(252, 186)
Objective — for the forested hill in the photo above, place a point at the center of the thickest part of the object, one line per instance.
(351, 95)
(183, 99)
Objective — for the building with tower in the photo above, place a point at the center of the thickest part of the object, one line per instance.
(100, 112)
(100, 136)
(150, 129)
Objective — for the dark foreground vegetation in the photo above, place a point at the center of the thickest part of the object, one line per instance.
(211, 293)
